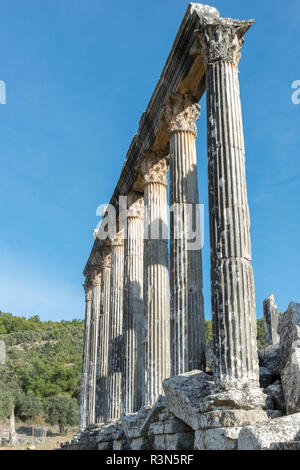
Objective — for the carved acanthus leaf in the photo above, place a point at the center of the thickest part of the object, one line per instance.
(118, 240)
(154, 167)
(182, 113)
(220, 41)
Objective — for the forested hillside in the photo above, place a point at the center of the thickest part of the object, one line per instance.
(43, 361)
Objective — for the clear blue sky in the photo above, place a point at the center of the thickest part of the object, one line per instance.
(79, 73)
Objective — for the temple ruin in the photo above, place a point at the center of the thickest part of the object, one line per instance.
(145, 384)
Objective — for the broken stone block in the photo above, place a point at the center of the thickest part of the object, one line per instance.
(183, 394)
(289, 329)
(290, 377)
(192, 395)
(217, 439)
(152, 415)
(177, 441)
(169, 433)
(139, 443)
(120, 444)
(230, 418)
(262, 435)
(275, 391)
(109, 433)
(132, 423)
(271, 320)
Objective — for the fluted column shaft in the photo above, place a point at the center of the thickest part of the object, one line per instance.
(186, 279)
(102, 361)
(156, 277)
(133, 305)
(95, 311)
(115, 349)
(83, 412)
(232, 283)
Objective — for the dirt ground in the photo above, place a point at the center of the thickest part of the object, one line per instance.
(35, 435)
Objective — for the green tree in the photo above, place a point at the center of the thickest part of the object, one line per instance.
(208, 331)
(62, 410)
(10, 391)
(261, 340)
(29, 405)
(6, 403)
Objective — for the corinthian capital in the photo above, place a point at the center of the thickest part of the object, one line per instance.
(118, 240)
(96, 275)
(106, 257)
(136, 205)
(154, 167)
(88, 291)
(182, 113)
(221, 40)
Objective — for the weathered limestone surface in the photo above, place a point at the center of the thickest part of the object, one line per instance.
(164, 431)
(132, 424)
(156, 339)
(83, 411)
(232, 284)
(115, 347)
(263, 436)
(102, 361)
(191, 397)
(217, 439)
(290, 377)
(108, 434)
(187, 304)
(289, 329)
(271, 320)
(133, 306)
(183, 394)
(95, 311)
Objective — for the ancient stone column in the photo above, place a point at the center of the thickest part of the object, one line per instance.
(95, 311)
(232, 283)
(187, 304)
(83, 412)
(133, 305)
(102, 360)
(271, 320)
(115, 341)
(156, 276)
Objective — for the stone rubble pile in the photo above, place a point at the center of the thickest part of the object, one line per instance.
(193, 415)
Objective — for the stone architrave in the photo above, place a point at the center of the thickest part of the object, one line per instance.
(115, 341)
(102, 402)
(232, 283)
(156, 333)
(83, 412)
(186, 279)
(133, 305)
(271, 320)
(95, 311)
